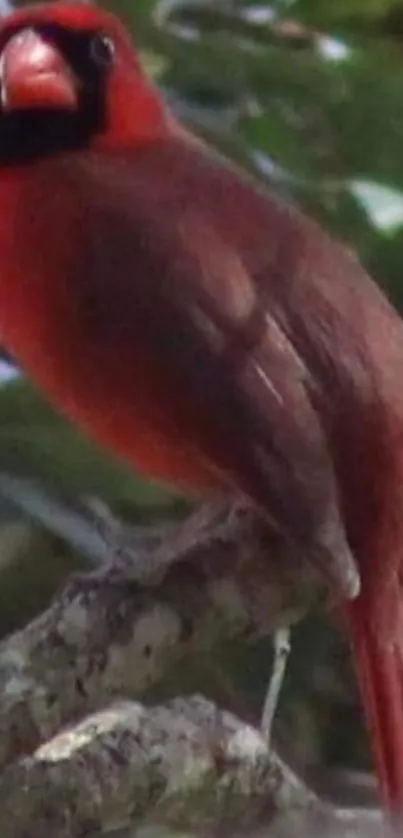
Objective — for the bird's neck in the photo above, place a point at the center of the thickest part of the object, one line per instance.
(11, 194)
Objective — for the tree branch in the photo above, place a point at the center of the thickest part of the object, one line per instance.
(185, 764)
(104, 636)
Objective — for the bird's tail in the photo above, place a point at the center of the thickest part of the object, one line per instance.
(379, 664)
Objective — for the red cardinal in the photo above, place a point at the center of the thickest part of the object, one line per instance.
(204, 331)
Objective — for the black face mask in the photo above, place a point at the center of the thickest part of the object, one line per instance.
(30, 134)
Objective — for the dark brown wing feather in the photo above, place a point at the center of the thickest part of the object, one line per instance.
(175, 311)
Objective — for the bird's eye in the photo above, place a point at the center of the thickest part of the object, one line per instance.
(102, 50)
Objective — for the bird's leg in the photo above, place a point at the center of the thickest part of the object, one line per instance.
(282, 648)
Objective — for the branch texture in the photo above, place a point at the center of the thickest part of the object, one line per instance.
(185, 764)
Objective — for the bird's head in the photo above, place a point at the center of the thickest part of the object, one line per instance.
(70, 78)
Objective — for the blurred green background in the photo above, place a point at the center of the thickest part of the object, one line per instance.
(309, 96)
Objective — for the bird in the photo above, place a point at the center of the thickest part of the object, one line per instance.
(201, 328)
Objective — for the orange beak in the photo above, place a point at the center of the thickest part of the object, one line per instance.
(34, 74)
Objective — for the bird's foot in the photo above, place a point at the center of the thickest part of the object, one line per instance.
(144, 554)
(211, 521)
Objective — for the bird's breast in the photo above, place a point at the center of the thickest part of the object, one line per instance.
(71, 343)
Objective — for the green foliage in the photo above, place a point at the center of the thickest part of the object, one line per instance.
(35, 441)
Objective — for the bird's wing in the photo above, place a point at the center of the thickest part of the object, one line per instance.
(227, 373)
